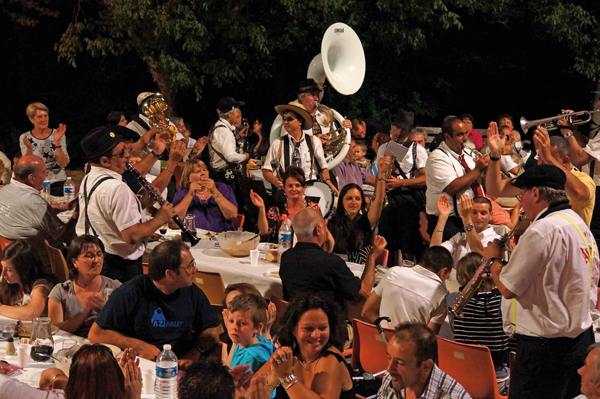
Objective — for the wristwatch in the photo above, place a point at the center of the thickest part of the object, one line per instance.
(567, 135)
(469, 227)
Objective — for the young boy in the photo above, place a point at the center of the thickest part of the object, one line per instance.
(361, 160)
(246, 317)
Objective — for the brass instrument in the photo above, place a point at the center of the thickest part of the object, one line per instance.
(154, 108)
(552, 123)
(193, 240)
(386, 174)
(473, 285)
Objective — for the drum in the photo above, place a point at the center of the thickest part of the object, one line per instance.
(318, 191)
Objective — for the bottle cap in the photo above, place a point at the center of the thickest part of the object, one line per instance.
(10, 339)
(167, 347)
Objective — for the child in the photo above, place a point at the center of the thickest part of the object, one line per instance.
(246, 316)
(481, 323)
(361, 152)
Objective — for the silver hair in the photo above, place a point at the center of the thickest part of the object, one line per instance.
(563, 148)
(552, 195)
(417, 131)
(596, 377)
(225, 115)
(305, 222)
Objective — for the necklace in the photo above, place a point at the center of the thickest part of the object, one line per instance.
(307, 366)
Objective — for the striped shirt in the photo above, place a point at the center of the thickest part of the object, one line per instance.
(439, 386)
(482, 325)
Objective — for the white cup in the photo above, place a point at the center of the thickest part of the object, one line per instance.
(254, 256)
(148, 381)
(23, 354)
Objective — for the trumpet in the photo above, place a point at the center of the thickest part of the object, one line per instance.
(552, 123)
(473, 285)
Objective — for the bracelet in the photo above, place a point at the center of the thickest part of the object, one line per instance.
(56, 147)
(494, 159)
(441, 231)
(169, 169)
(289, 386)
(217, 196)
(155, 154)
(288, 379)
(271, 387)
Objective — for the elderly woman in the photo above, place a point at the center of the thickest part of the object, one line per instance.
(74, 305)
(24, 288)
(213, 204)
(309, 364)
(294, 186)
(48, 144)
(352, 225)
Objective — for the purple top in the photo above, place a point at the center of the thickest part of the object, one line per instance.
(208, 215)
(350, 172)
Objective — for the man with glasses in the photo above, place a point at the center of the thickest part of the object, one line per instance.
(25, 215)
(162, 307)
(295, 148)
(110, 210)
(549, 289)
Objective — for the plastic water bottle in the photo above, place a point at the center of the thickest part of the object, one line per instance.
(46, 189)
(166, 374)
(285, 238)
(68, 190)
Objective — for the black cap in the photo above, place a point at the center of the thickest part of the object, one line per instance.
(226, 104)
(542, 176)
(308, 85)
(126, 133)
(99, 141)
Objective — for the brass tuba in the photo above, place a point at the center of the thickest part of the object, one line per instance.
(154, 107)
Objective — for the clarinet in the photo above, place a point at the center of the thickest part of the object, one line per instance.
(184, 230)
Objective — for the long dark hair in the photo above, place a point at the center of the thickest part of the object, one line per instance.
(27, 264)
(302, 304)
(78, 245)
(95, 373)
(347, 233)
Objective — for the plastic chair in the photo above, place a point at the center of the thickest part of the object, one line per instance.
(471, 366)
(211, 283)
(145, 267)
(382, 259)
(280, 304)
(369, 350)
(238, 222)
(4, 242)
(58, 263)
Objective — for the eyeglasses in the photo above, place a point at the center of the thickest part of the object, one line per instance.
(91, 255)
(289, 119)
(119, 155)
(191, 266)
(519, 196)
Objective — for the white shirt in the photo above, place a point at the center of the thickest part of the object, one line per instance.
(306, 162)
(112, 208)
(6, 174)
(222, 140)
(406, 164)
(593, 148)
(507, 164)
(412, 294)
(441, 169)
(549, 271)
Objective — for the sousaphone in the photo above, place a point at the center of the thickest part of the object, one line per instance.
(342, 63)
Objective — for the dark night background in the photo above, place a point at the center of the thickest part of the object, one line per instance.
(484, 69)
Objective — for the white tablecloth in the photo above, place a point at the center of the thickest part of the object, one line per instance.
(30, 375)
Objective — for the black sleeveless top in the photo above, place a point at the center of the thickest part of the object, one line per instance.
(349, 394)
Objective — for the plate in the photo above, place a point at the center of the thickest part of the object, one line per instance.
(115, 349)
(27, 332)
(266, 247)
(273, 273)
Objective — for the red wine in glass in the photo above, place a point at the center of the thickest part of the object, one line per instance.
(38, 352)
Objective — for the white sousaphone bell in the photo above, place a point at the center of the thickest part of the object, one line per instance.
(342, 63)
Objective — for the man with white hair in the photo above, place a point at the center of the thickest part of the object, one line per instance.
(590, 374)
(221, 141)
(310, 267)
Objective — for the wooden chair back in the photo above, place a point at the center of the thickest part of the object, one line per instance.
(58, 263)
(211, 283)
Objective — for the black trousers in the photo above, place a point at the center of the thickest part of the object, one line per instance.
(454, 225)
(400, 223)
(121, 269)
(547, 367)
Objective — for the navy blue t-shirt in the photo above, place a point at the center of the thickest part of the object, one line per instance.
(140, 310)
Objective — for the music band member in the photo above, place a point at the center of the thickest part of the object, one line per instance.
(296, 148)
(221, 141)
(110, 210)
(551, 279)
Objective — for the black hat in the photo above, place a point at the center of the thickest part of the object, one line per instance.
(542, 176)
(125, 132)
(309, 85)
(99, 141)
(226, 104)
(404, 119)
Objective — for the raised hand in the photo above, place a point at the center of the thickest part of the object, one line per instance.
(379, 244)
(541, 140)
(27, 143)
(494, 140)
(257, 200)
(133, 380)
(60, 131)
(482, 163)
(178, 150)
(443, 207)
(466, 207)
